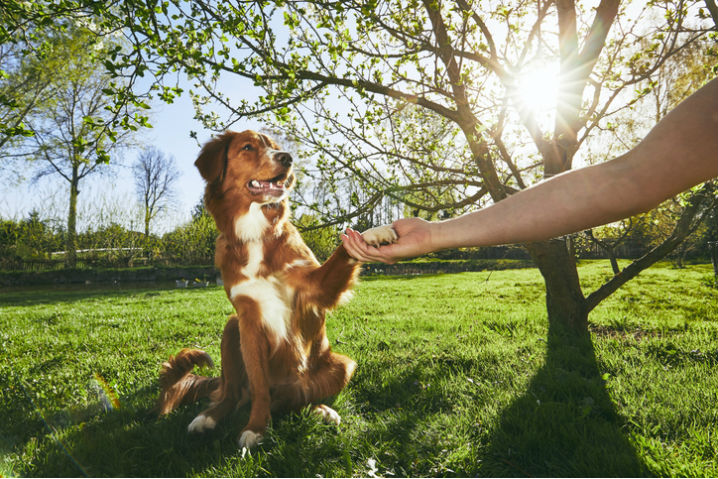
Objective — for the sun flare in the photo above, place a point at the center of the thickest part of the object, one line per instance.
(537, 88)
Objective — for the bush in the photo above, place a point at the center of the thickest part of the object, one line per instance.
(192, 243)
(27, 240)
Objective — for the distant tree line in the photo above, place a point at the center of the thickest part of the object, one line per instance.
(36, 244)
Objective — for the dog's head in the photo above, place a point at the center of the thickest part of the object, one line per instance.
(249, 165)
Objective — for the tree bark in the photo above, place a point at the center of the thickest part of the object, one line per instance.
(565, 303)
(614, 262)
(71, 242)
(713, 9)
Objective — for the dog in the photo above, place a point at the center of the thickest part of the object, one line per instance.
(274, 350)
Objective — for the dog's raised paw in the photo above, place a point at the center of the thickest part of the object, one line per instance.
(328, 415)
(380, 235)
(201, 424)
(249, 439)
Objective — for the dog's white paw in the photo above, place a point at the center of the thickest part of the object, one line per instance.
(328, 415)
(249, 439)
(380, 235)
(201, 424)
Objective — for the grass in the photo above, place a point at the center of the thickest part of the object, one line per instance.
(459, 375)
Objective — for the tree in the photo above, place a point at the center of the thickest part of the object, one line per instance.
(155, 177)
(28, 239)
(193, 242)
(72, 133)
(22, 88)
(24, 30)
(343, 70)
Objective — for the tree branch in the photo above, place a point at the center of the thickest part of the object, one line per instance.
(687, 223)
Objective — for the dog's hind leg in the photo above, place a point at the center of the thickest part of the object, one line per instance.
(232, 391)
(330, 375)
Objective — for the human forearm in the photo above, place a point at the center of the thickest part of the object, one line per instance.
(569, 202)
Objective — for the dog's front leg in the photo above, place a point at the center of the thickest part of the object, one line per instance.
(338, 273)
(255, 353)
(336, 276)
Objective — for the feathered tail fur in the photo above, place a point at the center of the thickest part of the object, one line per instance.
(177, 383)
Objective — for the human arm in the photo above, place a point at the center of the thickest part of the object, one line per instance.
(679, 152)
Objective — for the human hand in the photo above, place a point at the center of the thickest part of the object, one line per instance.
(415, 239)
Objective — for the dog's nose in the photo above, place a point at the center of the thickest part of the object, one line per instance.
(284, 158)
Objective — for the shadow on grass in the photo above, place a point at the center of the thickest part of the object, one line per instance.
(565, 424)
(131, 442)
(28, 296)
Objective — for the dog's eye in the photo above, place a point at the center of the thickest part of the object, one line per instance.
(248, 147)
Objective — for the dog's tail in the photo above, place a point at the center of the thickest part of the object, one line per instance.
(177, 383)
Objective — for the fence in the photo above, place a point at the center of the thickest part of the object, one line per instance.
(91, 259)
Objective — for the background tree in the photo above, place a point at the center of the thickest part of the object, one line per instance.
(26, 240)
(23, 87)
(156, 175)
(342, 73)
(25, 28)
(72, 129)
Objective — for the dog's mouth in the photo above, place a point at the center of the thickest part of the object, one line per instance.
(275, 187)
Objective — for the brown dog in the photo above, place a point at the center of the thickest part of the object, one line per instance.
(275, 352)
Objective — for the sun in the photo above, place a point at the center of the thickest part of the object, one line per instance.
(537, 88)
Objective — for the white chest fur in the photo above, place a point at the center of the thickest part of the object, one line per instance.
(273, 297)
(251, 225)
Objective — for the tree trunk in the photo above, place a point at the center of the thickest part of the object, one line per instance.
(71, 243)
(565, 303)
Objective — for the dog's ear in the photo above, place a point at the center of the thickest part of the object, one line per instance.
(212, 160)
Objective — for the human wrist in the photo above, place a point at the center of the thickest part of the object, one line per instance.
(439, 238)
(460, 232)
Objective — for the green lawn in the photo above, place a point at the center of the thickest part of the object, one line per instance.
(458, 375)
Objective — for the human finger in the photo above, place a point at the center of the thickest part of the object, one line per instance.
(355, 247)
(369, 252)
(360, 250)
